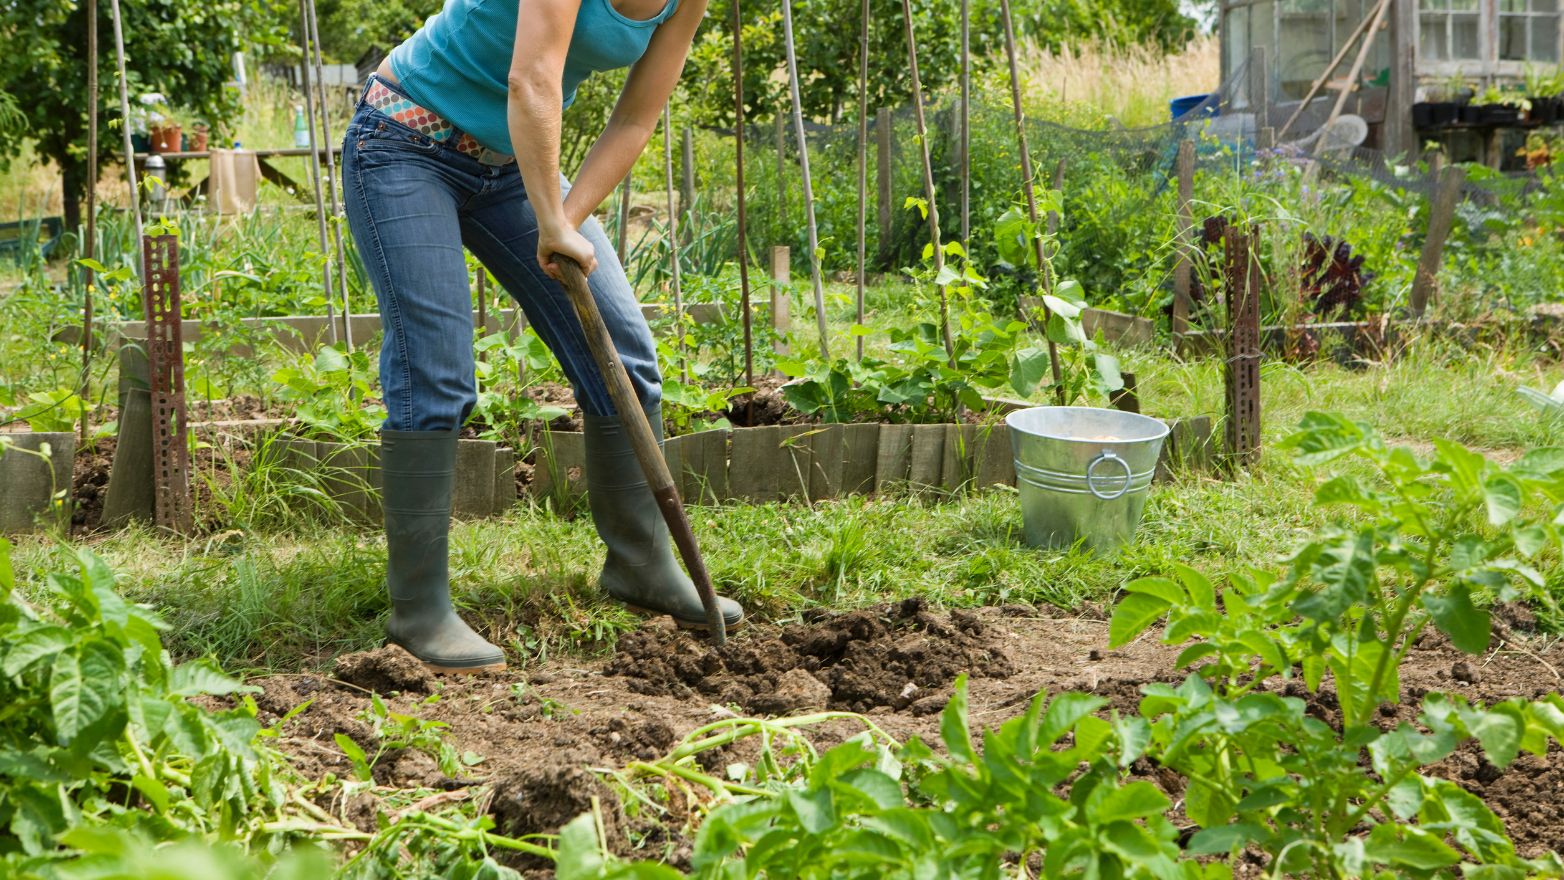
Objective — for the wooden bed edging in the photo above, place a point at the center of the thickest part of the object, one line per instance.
(819, 462)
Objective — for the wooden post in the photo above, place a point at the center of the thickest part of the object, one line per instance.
(884, 204)
(687, 174)
(1183, 268)
(1243, 354)
(781, 280)
(808, 194)
(1441, 216)
(1400, 137)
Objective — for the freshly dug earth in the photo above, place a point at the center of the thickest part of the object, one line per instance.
(898, 658)
(542, 730)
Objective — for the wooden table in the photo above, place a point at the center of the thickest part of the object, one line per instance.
(263, 157)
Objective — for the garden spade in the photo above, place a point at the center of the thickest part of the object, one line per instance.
(642, 440)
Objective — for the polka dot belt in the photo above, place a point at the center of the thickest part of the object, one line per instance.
(428, 123)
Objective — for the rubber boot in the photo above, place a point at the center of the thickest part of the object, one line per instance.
(640, 570)
(419, 469)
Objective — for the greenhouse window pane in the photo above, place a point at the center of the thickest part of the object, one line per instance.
(1545, 39)
(1464, 42)
(1512, 38)
(1432, 37)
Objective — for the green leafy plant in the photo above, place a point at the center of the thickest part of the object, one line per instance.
(331, 393)
(1084, 368)
(1339, 793)
(57, 411)
(918, 383)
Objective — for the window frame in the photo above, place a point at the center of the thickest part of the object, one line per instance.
(1488, 33)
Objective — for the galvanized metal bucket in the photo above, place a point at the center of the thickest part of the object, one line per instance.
(1083, 473)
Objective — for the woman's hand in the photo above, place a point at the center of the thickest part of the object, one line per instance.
(564, 239)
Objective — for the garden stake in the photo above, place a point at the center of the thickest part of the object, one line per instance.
(622, 234)
(809, 193)
(1028, 187)
(966, 124)
(863, 161)
(89, 247)
(642, 440)
(331, 181)
(928, 184)
(743, 230)
(124, 113)
(320, 201)
(673, 241)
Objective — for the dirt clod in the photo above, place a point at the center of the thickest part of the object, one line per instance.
(385, 670)
(1463, 671)
(540, 798)
(887, 657)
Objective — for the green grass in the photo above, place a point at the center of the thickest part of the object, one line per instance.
(280, 597)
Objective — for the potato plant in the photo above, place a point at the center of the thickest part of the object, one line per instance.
(1341, 793)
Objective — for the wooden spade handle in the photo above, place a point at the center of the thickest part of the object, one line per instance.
(642, 440)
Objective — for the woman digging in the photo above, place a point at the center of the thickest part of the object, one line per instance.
(455, 143)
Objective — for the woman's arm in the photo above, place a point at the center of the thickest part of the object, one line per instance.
(537, 71)
(635, 115)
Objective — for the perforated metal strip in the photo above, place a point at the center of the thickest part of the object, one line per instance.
(166, 357)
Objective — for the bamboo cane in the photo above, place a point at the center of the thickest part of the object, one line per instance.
(1027, 184)
(863, 166)
(90, 246)
(320, 201)
(331, 181)
(130, 150)
(673, 242)
(809, 194)
(743, 229)
(928, 184)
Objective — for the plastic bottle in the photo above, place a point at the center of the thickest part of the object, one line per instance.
(301, 128)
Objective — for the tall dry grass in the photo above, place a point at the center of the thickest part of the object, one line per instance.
(1132, 84)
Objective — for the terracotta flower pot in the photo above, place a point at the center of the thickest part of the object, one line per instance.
(166, 139)
(196, 141)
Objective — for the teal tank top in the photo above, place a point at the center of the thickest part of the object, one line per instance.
(458, 63)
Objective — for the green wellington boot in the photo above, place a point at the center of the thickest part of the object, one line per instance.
(419, 469)
(640, 570)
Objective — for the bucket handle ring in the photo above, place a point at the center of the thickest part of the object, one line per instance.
(1091, 476)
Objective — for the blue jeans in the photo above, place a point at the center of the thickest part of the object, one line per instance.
(412, 204)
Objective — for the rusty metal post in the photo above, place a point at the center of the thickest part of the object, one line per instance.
(1243, 351)
(165, 352)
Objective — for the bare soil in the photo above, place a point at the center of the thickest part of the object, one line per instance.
(543, 729)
